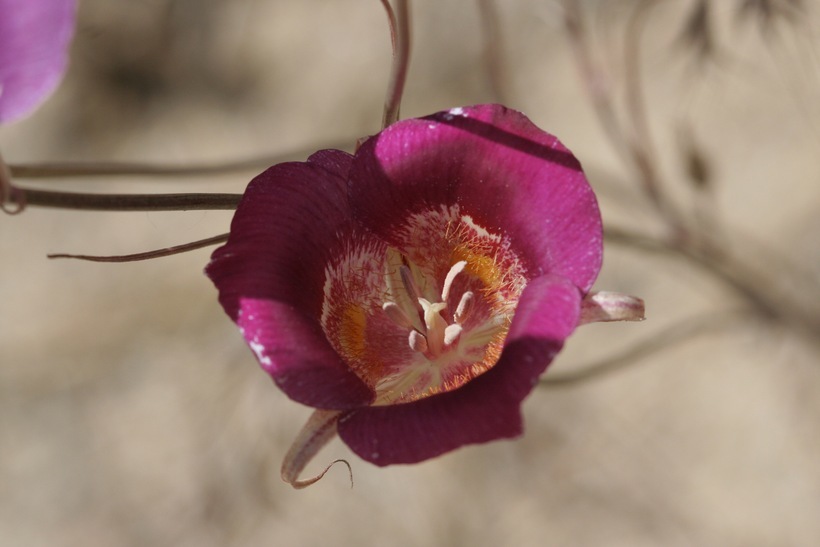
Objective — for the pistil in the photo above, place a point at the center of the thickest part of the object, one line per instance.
(430, 333)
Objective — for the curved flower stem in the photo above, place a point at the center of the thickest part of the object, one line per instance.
(315, 434)
(159, 253)
(400, 36)
(123, 202)
(391, 22)
(683, 331)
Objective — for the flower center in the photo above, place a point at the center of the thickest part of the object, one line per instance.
(429, 332)
(427, 317)
(450, 341)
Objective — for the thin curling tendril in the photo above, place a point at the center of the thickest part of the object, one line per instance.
(148, 255)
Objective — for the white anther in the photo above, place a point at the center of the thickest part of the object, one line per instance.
(456, 269)
(451, 334)
(417, 341)
(397, 315)
(465, 306)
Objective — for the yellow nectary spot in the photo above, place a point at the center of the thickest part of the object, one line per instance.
(479, 265)
(352, 329)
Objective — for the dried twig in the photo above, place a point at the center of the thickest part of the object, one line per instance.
(683, 331)
(595, 80)
(746, 280)
(643, 147)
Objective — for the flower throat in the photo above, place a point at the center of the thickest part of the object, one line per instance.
(427, 316)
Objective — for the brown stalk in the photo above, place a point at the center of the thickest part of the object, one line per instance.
(123, 202)
(399, 21)
(744, 279)
(683, 331)
(643, 148)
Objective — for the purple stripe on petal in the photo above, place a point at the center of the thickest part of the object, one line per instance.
(34, 40)
(485, 409)
(270, 276)
(503, 171)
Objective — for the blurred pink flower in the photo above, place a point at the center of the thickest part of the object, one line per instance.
(34, 40)
(415, 291)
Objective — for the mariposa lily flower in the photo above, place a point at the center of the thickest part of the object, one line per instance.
(34, 40)
(414, 292)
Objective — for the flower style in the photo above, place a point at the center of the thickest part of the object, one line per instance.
(414, 292)
(34, 40)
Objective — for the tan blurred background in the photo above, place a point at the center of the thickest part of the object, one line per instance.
(131, 412)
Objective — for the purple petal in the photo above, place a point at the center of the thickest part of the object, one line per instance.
(270, 276)
(34, 40)
(485, 409)
(500, 169)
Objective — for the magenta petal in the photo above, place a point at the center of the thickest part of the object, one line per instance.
(270, 276)
(34, 40)
(292, 348)
(485, 409)
(500, 169)
(283, 234)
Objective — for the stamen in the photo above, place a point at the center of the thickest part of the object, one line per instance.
(451, 334)
(409, 283)
(397, 315)
(417, 341)
(465, 306)
(457, 268)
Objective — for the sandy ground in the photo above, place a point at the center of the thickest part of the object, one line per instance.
(131, 412)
